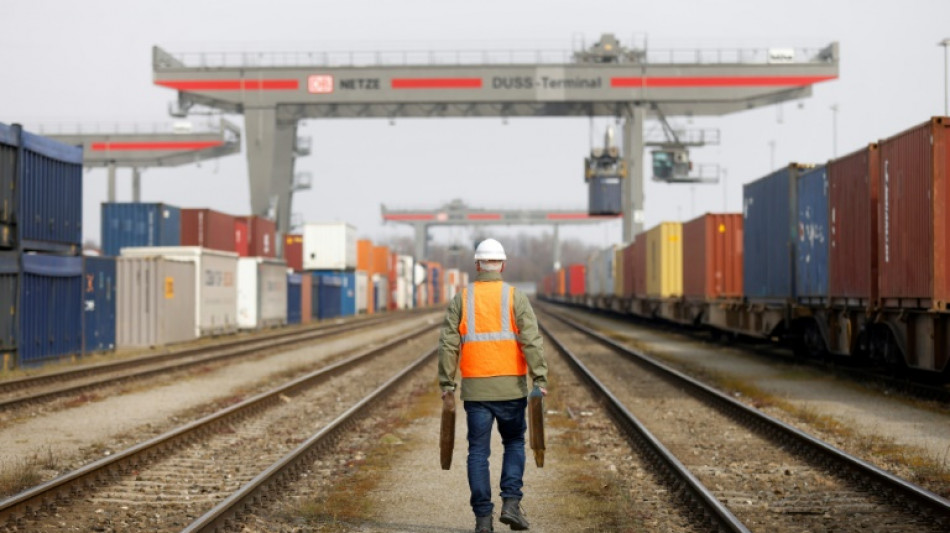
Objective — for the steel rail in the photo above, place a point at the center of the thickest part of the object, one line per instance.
(715, 513)
(174, 363)
(921, 498)
(224, 515)
(62, 488)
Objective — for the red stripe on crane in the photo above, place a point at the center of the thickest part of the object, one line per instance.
(231, 85)
(168, 145)
(436, 83)
(483, 216)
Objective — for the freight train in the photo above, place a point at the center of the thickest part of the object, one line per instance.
(850, 258)
(169, 275)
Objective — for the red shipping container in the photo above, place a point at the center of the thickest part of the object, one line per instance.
(207, 228)
(242, 240)
(393, 275)
(293, 252)
(853, 182)
(914, 217)
(712, 256)
(261, 236)
(576, 279)
(306, 298)
(635, 268)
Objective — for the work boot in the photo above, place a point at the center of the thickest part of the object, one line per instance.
(483, 524)
(513, 515)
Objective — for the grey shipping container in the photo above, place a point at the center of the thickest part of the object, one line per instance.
(136, 224)
(811, 250)
(40, 193)
(770, 231)
(43, 294)
(156, 301)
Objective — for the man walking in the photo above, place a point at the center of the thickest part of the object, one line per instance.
(490, 334)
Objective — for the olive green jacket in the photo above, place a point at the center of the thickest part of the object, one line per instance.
(497, 387)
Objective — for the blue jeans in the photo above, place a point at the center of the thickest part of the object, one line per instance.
(511, 425)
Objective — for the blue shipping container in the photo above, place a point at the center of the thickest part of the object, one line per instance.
(294, 298)
(770, 222)
(98, 300)
(40, 192)
(348, 305)
(136, 224)
(329, 294)
(44, 293)
(811, 251)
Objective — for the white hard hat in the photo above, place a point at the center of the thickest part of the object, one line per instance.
(490, 250)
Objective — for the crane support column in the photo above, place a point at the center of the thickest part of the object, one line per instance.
(270, 161)
(557, 248)
(136, 185)
(422, 238)
(111, 185)
(632, 187)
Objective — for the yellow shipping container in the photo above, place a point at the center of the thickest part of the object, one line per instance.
(665, 260)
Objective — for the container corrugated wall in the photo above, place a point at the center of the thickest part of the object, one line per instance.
(853, 185)
(215, 288)
(209, 229)
(330, 287)
(293, 252)
(261, 292)
(811, 250)
(914, 217)
(712, 257)
(664, 260)
(575, 279)
(362, 291)
(329, 246)
(40, 192)
(135, 224)
(294, 298)
(156, 301)
(307, 298)
(618, 271)
(99, 306)
(770, 231)
(262, 235)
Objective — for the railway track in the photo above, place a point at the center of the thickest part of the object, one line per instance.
(744, 470)
(29, 391)
(165, 483)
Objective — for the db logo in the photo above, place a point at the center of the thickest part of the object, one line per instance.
(320, 84)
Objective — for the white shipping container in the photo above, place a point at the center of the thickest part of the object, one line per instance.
(261, 292)
(329, 246)
(453, 283)
(362, 292)
(155, 301)
(403, 291)
(215, 284)
(381, 286)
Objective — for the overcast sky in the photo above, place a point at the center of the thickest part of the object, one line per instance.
(85, 62)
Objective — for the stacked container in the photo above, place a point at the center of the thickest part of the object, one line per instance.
(293, 252)
(255, 236)
(261, 293)
(40, 235)
(364, 265)
(308, 298)
(914, 217)
(137, 224)
(336, 293)
(215, 285)
(329, 246)
(209, 229)
(156, 300)
(712, 257)
(294, 297)
(99, 303)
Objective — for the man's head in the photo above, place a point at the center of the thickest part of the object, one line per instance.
(490, 256)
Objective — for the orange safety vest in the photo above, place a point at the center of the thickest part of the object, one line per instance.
(489, 332)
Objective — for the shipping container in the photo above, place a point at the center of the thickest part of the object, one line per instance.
(209, 229)
(155, 302)
(308, 298)
(40, 193)
(811, 250)
(381, 289)
(712, 257)
(215, 284)
(434, 287)
(43, 296)
(255, 236)
(853, 183)
(137, 224)
(330, 287)
(575, 280)
(98, 295)
(635, 268)
(403, 293)
(770, 231)
(914, 217)
(293, 252)
(393, 280)
(294, 297)
(364, 255)
(261, 292)
(561, 289)
(363, 292)
(618, 271)
(329, 246)
(664, 260)
(380, 263)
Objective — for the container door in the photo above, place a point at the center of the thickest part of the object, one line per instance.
(242, 243)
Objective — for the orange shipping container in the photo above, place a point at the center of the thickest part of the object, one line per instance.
(561, 281)
(380, 261)
(712, 256)
(364, 255)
